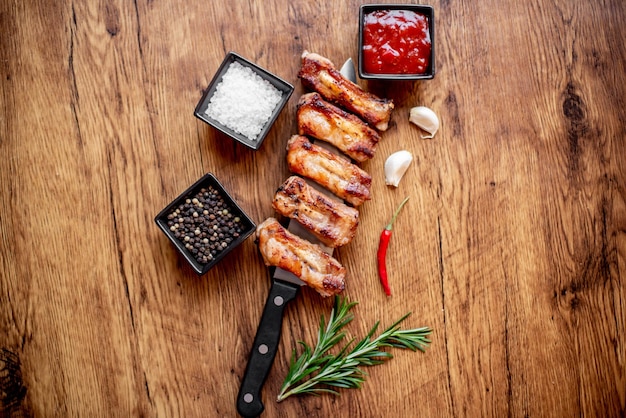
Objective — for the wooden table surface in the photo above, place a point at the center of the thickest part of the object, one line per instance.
(512, 247)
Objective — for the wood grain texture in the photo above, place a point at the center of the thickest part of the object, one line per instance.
(512, 246)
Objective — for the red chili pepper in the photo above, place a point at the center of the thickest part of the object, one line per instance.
(385, 236)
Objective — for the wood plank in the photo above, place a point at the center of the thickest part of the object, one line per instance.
(512, 246)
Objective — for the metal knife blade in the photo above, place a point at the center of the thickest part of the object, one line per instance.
(348, 71)
(284, 288)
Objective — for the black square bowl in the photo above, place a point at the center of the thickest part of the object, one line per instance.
(241, 228)
(285, 89)
(425, 10)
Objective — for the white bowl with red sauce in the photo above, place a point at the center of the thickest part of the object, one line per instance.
(396, 42)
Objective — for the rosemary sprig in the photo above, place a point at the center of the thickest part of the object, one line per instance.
(317, 371)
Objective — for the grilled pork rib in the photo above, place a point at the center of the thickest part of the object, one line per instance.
(281, 248)
(323, 120)
(330, 220)
(331, 171)
(318, 73)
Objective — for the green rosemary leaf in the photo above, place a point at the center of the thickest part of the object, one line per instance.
(317, 371)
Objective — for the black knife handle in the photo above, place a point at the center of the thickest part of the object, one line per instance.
(264, 349)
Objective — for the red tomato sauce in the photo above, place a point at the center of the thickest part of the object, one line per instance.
(396, 42)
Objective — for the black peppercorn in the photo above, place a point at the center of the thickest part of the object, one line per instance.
(205, 223)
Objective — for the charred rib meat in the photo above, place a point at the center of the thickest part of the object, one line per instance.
(318, 73)
(331, 171)
(323, 120)
(333, 222)
(281, 248)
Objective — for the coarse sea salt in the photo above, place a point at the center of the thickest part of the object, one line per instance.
(243, 101)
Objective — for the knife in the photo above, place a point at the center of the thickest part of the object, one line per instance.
(284, 288)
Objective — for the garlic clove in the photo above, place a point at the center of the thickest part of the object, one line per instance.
(395, 167)
(426, 119)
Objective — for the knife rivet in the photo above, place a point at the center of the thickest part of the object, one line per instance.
(263, 349)
(278, 301)
(247, 398)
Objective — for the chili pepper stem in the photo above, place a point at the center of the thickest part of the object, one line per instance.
(395, 215)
